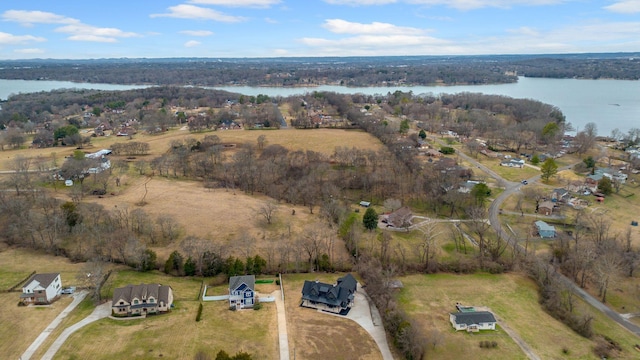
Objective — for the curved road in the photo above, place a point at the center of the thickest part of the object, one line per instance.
(494, 209)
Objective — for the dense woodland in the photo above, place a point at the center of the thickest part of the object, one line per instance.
(356, 71)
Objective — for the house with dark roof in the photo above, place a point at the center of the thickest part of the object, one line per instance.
(41, 288)
(473, 321)
(337, 298)
(134, 300)
(242, 291)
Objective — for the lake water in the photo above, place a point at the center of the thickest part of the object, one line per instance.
(607, 103)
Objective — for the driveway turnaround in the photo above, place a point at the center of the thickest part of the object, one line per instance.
(77, 298)
(100, 312)
(366, 315)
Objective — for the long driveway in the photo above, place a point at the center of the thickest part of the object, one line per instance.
(100, 312)
(494, 209)
(77, 298)
(366, 315)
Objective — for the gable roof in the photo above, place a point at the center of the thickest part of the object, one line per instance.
(400, 217)
(475, 317)
(546, 204)
(339, 294)
(543, 226)
(43, 279)
(142, 291)
(237, 281)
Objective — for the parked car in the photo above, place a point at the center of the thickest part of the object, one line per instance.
(524, 182)
(69, 290)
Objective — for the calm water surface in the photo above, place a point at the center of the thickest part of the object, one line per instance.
(608, 103)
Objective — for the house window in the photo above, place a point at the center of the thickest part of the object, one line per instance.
(121, 302)
(135, 302)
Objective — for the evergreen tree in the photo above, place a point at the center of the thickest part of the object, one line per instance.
(370, 219)
(549, 168)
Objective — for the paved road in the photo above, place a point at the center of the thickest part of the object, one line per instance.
(494, 210)
(100, 312)
(77, 298)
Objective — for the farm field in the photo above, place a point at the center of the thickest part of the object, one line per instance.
(514, 299)
(315, 335)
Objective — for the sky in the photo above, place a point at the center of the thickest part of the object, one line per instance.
(87, 29)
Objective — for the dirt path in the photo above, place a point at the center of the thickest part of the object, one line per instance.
(77, 298)
(100, 312)
(514, 335)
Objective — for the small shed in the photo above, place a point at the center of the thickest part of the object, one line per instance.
(545, 230)
(365, 203)
(545, 208)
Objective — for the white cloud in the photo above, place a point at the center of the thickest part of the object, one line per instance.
(10, 39)
(83, 32)
(524, 31)
(340, 26)
(360, 2)
(238, 3)
(456, 4)
(625, 6)
(199, 13)
(196, 32)
(192, 43)
(29, 51)
(270, 20)
(28, 18)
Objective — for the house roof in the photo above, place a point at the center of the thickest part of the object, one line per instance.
(43, 279)
(400, 217)
(471, 318)
(546, 204)
(237, 281)
(543, 226)
(339, 294)
(142, 291)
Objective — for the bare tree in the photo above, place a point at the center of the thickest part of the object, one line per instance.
(392, 205)
(268, 211)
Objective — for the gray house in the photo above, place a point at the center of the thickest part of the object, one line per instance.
(473, 321)
(242, 291)
(545, 230)
(143, 299)
(337, 298)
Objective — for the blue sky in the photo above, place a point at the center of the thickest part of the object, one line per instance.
(74, 29)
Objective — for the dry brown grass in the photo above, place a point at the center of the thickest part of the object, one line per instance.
(22, 325)
(513, 298)
(314, 335)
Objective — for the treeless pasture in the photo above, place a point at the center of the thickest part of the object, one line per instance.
(513, 298)
(22, 325)
(315, 335)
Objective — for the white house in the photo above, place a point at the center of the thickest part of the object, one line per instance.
(41, 288)
(473, 321)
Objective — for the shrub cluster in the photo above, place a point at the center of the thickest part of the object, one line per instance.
(199, 316)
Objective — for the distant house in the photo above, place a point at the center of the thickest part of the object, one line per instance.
(545, 208)
(545, 230)
(336, 298)
(41, 288)
(473, 321)
(560, 194)
(133, 300)
(515, 163)
(400, 218)
(241, 291)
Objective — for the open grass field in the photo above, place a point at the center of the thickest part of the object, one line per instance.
(21, 325)
(176, 335)
(514, 299)
(314, 335)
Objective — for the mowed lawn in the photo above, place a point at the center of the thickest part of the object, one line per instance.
(513, 298)
(316, 335)
(20, 326)
(176, 335)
